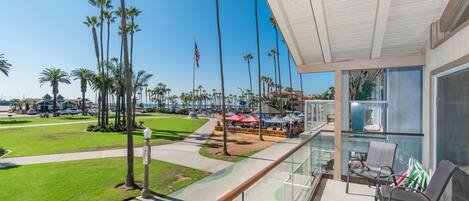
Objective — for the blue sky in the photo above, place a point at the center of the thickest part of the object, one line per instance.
(37, 34)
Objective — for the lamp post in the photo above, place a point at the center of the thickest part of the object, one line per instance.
(146, 162)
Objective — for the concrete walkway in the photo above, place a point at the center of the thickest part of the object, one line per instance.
(215, 185)
(185, 152)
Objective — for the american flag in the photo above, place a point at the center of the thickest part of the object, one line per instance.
(196, 55)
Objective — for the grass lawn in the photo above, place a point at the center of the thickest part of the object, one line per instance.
(37, 120)
(90, 180)
(18, 121)
(240, 146)
(74, 138)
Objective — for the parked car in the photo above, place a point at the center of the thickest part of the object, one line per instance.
(92, 111)
(73, 111)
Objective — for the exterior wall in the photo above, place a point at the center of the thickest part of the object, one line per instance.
(450, 50)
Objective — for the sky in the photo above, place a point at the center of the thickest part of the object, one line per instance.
(38, 34)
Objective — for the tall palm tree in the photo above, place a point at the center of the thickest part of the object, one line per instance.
(273, 22)
(54, 76)
(248, 57)
(258, 67)
(132, 12)
(291, 86)
(84, 75)
(130, 180)
(4, 65)
(225, 148)
(93, 23)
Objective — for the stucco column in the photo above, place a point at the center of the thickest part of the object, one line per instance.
(338, 125)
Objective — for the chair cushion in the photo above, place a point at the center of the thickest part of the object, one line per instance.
(370, 173)
(401, 195)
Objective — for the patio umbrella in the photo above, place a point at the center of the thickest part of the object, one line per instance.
(275, 120)
(234, 118)
(288, 119)
(251, 120)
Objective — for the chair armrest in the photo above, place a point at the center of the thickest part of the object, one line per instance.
(404, 188)
(361, 162)
(379, 175)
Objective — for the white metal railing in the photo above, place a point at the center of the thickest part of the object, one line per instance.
(317, 113)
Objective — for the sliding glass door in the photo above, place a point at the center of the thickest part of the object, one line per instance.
(452, 127)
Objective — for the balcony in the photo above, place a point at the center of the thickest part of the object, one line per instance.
(304, 172)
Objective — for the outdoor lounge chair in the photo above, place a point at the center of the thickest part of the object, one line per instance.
(433, 192)
(377, 166)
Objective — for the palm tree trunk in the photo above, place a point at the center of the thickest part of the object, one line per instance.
(258, 68)
(54, 105)
(225, 148)
(279, 74)
(250, 84)
(107, 69)
(275, 68)
(130, 181)
(83, 103)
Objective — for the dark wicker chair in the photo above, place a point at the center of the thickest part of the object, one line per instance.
(378, 165)
(433, 192)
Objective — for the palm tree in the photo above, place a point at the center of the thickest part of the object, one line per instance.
(132, 12)
(139, 81)
(4, 65)
(84, 76)
(54, 76)
(258, 66)
(130, 180)
(248, 57)
(225, 148)
(93, 23)
(273, 53)
(273, 22)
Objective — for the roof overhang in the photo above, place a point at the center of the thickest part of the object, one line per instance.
(330, 35)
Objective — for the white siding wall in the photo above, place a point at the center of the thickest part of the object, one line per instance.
(452, 49)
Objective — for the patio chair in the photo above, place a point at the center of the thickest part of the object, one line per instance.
(378, 165)
(433, 192)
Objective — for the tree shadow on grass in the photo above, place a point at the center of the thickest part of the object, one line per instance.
(6, 166)
(13, 122)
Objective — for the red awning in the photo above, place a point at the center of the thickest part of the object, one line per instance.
(251, 120)
(234, 118)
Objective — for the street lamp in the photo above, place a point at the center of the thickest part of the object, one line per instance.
(146, 162)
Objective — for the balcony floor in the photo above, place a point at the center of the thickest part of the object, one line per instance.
(332, 190)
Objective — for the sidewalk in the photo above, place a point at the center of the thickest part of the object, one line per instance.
(185, 153)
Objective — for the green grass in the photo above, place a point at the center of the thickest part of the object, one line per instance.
(89, 180)
(74, 138)
(37, 120)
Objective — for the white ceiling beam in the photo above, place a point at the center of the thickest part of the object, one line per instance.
(317, 8)
(405, 61)
(382, 13)
(278, 10)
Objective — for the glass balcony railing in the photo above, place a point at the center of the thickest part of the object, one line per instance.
(291, 177)
(318, 113)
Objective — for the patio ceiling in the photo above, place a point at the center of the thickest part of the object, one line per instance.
(326, 35)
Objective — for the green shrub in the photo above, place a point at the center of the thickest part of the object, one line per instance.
(2, 151)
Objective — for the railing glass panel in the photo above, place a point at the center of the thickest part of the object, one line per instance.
(317, 113)
(294, 178)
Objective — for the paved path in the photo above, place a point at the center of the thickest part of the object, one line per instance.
(215, 185)
(185, 152)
